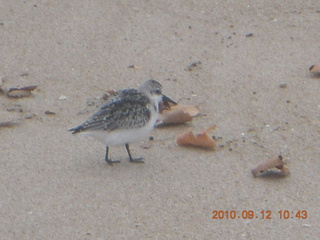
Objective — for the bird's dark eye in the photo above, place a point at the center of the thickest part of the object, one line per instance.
(157, 91)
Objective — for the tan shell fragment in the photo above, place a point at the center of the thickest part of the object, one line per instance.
(20, 92)
(273, 162)
(315, 68)
(178, 114)
(198, 140)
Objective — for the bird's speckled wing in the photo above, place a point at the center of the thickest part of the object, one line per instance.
(124, 110)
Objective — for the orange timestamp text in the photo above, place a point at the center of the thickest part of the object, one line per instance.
(265, 214)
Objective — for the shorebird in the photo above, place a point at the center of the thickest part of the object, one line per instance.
(127, 116)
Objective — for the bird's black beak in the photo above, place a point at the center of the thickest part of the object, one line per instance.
(166, 100)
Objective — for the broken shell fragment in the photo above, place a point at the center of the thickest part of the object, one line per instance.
(315, 68)
(48, 112)
(284, 170)
(134, 67)
(11, 123)
(177, 114)
(20, 92)
(273, 162)
(199, 140)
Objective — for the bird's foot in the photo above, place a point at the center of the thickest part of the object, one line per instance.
(137, 160)
(112, 161)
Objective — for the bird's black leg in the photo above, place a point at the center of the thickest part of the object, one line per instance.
(138, 160)
(108, 160)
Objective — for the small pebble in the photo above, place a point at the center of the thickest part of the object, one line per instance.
(62, 97)
(15, 108)
(49, 112)
(283, 85)
(193, 65)
(90, 102)
(24, 74)
(30, 115)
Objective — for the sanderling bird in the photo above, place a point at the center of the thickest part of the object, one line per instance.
(127, 116)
